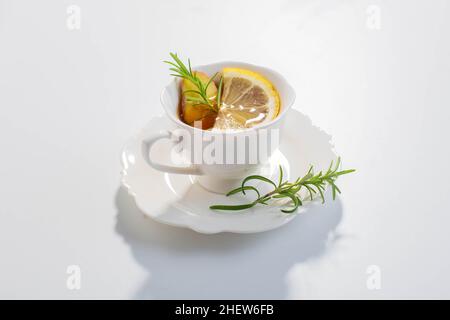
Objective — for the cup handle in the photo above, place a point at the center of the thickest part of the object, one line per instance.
(147, 144)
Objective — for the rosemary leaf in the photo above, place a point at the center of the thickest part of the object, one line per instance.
(232, 207)
(241, 189)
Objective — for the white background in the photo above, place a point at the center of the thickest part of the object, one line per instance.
(69, 99)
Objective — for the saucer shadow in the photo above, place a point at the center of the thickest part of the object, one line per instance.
(183, 264)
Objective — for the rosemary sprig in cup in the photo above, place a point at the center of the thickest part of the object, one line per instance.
(198, 96)
(311, 182)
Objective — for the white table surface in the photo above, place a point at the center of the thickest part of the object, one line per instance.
(69, 99)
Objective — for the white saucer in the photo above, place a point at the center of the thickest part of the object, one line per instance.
(179, 201)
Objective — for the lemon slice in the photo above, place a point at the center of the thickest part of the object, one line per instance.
(248, 99)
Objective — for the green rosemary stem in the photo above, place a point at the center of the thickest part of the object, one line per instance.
(313, 183)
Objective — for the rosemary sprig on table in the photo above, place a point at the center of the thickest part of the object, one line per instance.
(311, 182)
(198, 96)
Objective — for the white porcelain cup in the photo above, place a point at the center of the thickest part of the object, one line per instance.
(220, 159)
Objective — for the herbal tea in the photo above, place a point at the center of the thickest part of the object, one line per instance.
(231, 99)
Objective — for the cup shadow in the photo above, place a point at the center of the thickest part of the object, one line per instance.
(183, 264)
